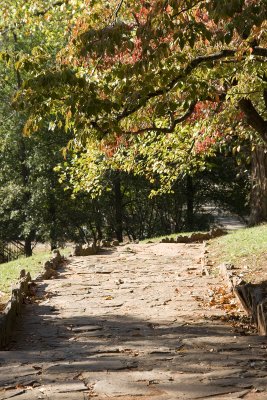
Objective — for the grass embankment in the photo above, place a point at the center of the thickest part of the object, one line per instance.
(9, 272)
(246, 249)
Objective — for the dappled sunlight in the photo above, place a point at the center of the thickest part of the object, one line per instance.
(126, 323)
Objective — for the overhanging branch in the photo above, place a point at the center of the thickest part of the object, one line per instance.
(172, 126)
(140, 102)
(254, 119)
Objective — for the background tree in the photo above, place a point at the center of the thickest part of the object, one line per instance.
(34, 205)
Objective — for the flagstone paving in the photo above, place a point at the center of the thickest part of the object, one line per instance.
(127, 324)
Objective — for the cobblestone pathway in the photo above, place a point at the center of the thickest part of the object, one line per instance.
(128, 325)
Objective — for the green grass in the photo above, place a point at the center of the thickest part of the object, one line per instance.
(9, 272)
(245, 248)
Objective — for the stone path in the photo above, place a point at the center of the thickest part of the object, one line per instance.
(128, 325)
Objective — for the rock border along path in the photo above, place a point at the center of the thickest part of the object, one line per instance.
(127, 324)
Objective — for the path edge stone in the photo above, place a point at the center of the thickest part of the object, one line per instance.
(196, 237)
(251, 297)
(13, 308)
(20, 291)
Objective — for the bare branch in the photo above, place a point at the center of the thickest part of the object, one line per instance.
(118, 10)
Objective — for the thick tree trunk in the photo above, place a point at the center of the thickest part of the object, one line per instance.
(118, 207)
(258, 198)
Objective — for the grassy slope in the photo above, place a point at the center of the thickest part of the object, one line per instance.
(9, 272)
(246, 249)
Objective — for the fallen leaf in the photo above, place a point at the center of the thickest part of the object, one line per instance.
(109, 298)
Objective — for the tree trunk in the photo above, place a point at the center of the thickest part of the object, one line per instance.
(28, 246)
(178, 210)
(189, 202)
(98, 223)
(53, 230)
(118, 207)
(52, 217)
(258, 197)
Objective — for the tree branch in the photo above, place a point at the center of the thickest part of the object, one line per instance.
(254, 119)
(140, 102)
(259, 51)
(172, 126)
(117, 11)
(18, 75)
(186, 9)
(265, 97)
(56, 4)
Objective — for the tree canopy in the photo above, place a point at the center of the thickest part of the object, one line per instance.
(133, 67)
(154, 87)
